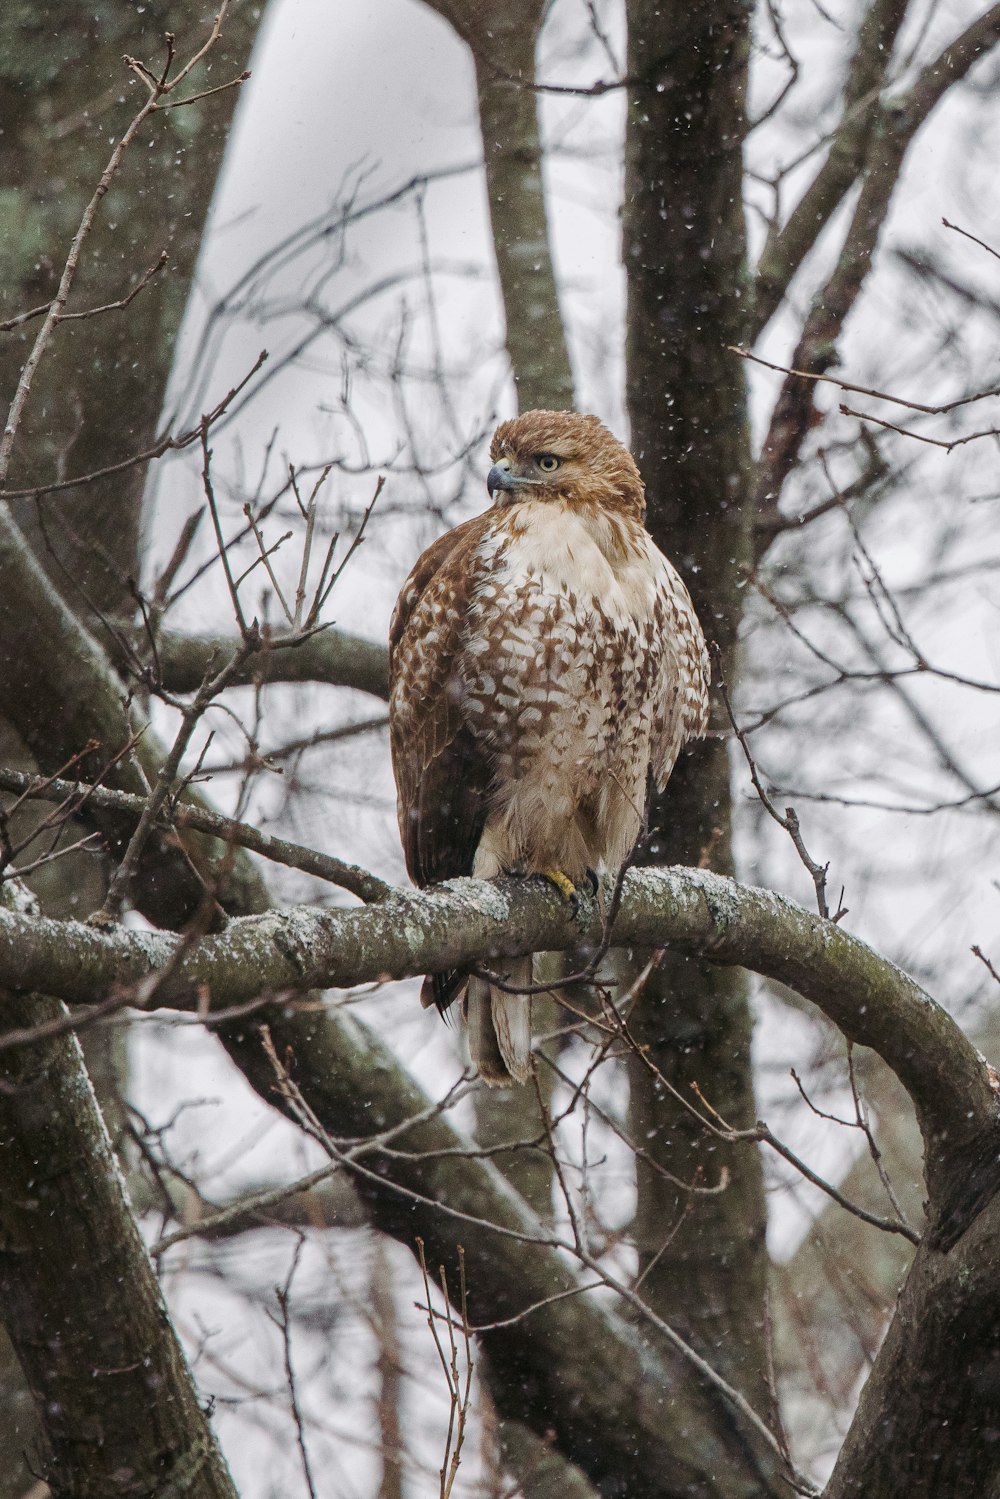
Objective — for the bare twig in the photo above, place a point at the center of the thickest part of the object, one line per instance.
(69, 317)
(947, 445)
(459, 1388)
(165, 782)
(866, 390)
(762, 1134)
(255, 759)
(252, 1208)
(309, 512)
(283, 1323)
(861, 1117)
(790, 820)
(974, 238)
(986, 963)
(206, 476)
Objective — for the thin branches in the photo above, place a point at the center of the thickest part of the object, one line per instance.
(163, 445)
(870, 142)
(878, 162)
(459, 1384)
(74, 797)
(283, 1322)
(69, 317)
(790, 820)
(252, 640)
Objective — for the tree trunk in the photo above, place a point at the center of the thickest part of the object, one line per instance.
(97, 395)
(684, 251)
(502, 36)
(84, 1310)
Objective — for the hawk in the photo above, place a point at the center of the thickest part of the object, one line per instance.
(545, 662)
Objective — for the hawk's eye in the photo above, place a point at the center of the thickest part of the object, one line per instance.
(547, 462)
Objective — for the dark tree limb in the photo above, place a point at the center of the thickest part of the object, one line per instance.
(928, 1416)
(684, 250)
(895, 126)
(502, 38)
(788, 244)
(872, 1001)
(81, 1303)
(331, 656)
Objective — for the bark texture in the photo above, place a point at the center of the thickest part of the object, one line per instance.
(64, 93)
(684, 251)
(928, 1423)
(502, 37)
(84, 1310)
(872, 1001)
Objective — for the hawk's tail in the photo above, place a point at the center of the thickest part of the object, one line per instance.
(499, 1026)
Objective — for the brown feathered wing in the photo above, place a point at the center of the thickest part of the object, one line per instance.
(442, 776)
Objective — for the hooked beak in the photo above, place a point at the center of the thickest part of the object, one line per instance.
(500, 477)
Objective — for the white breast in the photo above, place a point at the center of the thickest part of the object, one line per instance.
(569, 552)
(564, 654)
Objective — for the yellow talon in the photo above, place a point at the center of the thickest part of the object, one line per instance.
(562, 882)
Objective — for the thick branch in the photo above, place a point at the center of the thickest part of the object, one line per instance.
(332, 656)
(788, 245)
(502, 38)
(897, 123)
(80, 1299)
(928, 1413)
(868, 997)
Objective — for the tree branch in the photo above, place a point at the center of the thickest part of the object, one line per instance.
(788, 245)
(869, 998)
(933, 1372)
(896, 125)
(76, 797)
(80, 1300)
(331, 656)
(502, 38)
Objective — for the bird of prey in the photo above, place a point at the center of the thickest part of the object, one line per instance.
(545, 663)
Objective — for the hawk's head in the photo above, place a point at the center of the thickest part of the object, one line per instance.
(563, 455)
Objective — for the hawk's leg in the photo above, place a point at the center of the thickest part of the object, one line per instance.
(558, 877)
(562, 882)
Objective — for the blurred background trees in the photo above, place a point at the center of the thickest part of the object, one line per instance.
(429, 217)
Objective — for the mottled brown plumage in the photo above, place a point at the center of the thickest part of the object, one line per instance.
(545, 661)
